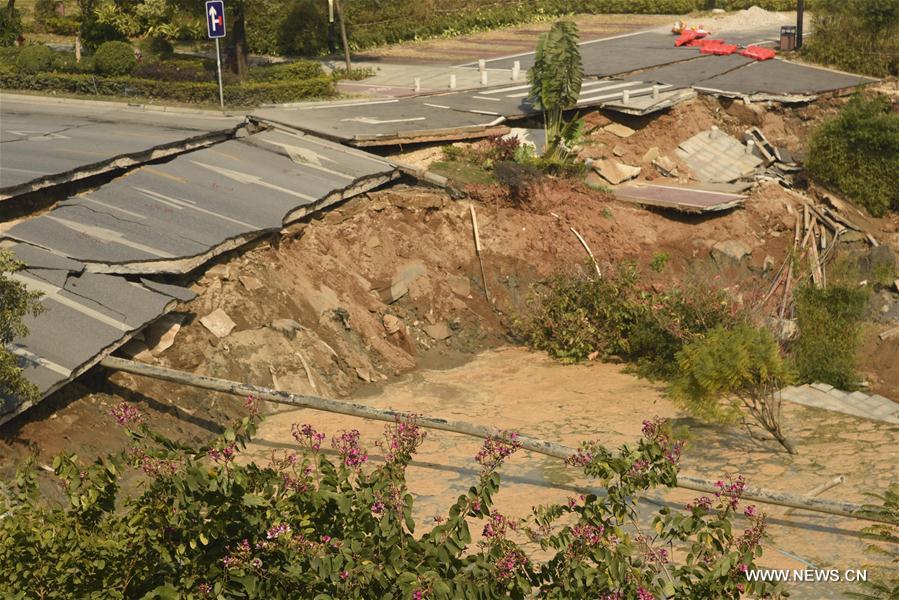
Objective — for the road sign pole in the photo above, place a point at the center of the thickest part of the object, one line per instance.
(218, 61)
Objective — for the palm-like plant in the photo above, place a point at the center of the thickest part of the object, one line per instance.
(556, 80)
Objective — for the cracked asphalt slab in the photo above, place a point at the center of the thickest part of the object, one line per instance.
(43, 144)
(96, 312)
(172, 217)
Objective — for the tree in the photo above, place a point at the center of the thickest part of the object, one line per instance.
(555, 80)
(16, 302)
(732, 372)
(343, 38)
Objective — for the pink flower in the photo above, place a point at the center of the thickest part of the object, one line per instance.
(495, 450)
(351, 453)
(644, 594)
(307, 436)
(277, 531)
(125, 414)
(750, 511)
(344, 575)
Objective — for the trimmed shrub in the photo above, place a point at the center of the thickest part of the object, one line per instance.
(291, 71)
(34, 59)
(62, 25)
(174, 70)
(247, 94)
(829, 321)
(44, 10)
(115, 58)
(857, 153)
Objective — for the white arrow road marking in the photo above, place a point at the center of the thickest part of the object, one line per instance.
(40, 136)
(308, 158)
(51, 291)
(182, 204)
(107, 235)
(247, 178)
(373, 121)
(47, 364)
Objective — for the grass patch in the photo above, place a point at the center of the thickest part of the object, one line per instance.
(462, 172)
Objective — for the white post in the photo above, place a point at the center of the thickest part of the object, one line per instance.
(516, 70)
(482, 64)
(452, 81)
(483, 77)
(218, 62)
(655, 92)
(625, 97)
(416, 84)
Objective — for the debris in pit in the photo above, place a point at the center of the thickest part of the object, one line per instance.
(665, 166)
(287, 327)
(392, 324)
(615, 171)
(402, 280)
(535, 138)
(652, 154)
(618, 151)
(729, 251)
(438, 331)
(460, 286)
(714, 156)
(218, 323)
(622, 131)
(342, 316)
(219, 271)
(250, 283)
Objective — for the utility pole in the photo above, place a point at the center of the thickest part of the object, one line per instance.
(800, 14)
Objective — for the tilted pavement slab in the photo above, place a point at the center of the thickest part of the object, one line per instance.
(86, 316)
(43, 144)
(173, 217)
(858, 404)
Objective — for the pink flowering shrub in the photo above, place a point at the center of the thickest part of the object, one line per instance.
(339, 525)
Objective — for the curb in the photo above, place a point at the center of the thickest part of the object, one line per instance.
(120, 105)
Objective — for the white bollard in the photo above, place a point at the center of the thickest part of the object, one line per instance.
(516, 70)
(416, 84)
(452, 81)
(655, 92)
(483, 77)
(625, 97)
(482, 64)
(750, 145)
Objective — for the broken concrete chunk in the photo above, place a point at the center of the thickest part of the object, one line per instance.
(714, 156)
(219, 272)
(288, 327)
(618, 151)
(363, 374)
(392, 324)
(218, 323)
(460, 286)
(665, 166)
(729, 251)
(160, 335)
(614, 171)
(622, 131)
(652, 154)
(402, 280)
(250, 283)
(438, 332)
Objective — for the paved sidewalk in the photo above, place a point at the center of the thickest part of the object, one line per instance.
(858, 404)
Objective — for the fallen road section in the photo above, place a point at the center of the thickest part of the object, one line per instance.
(682, 199)
(173, 217)
(45, 144)
(86, 317)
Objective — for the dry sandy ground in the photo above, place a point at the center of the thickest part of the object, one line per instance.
(518, 390)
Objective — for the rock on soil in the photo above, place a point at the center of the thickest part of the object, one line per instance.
(218, 323)
(614, 171)
(729, 250)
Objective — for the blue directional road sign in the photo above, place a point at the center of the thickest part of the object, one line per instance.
(215, 18)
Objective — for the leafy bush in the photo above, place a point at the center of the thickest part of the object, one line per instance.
(115, 58)
(829, 321)
(857, 153)
(16, 302)
(295, 70)
(357, 74)
(156, 48)
(62, 25)
(34, 59)
(9, 54)
(205, 526)
(10, 26)
(43, 10)
(575, 317)
(247, 94)
(94, 34)
(856, 35)
(884, 585)
(729, 373)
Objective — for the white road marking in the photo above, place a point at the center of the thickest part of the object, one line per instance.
(55, 293)
(47, 364)
(112, 207)
(107, 235)
(247, 178)
(373, 121)
(182, 204)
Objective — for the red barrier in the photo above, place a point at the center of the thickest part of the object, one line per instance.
(758, 53)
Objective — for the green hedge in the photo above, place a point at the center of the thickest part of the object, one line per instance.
(115, 58)
(246, 94)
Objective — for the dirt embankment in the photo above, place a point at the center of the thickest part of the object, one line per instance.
(390, 282)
